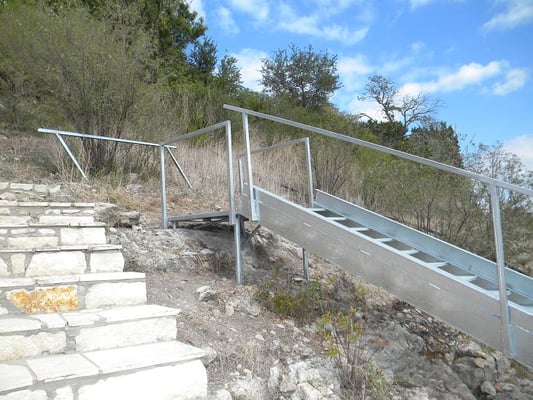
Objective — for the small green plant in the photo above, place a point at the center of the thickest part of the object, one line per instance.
(299, 302)
(359, 375)
(336, 305)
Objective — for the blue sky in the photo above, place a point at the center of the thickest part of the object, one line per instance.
(476, 56)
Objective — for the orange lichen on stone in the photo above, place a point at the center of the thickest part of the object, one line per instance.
(50, 299)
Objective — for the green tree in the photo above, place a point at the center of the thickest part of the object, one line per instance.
(436, 141)
(396, 108)
(303, 76)
(91, 71)
(203, 60)
(228, 76)
(390, 134)
(172, 22)
(516, 208)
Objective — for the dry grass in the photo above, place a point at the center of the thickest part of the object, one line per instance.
(135, 184)
(26, 158)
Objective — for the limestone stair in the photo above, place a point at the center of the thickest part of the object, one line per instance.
(73, 324)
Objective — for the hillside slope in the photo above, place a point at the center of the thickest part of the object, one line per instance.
(254, 354)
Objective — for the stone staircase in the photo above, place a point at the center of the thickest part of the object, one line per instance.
(73, 324)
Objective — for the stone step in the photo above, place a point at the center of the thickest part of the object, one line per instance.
(34, 235)
(63, 293)
(24, 336)
(12, 190)
(61, 260)
(164, 370)
(19, 213)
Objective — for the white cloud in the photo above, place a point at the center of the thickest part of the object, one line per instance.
(417, 47)
(313, 25)
(343, 34)
(514, 80)
(522, 146)
(226, 22)
(466, 75)
(367, 109)
(198, 6)
(327, 8)
(515, 13)
(353, 65)
(257, 9)
(353, 72)
(249, 61)
(419, 3)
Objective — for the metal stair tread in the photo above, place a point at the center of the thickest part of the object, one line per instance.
(11, 324)
(458, 272)
(437, 264)
(337, 219)
(384, 239)
(64, 367)
(409, 252)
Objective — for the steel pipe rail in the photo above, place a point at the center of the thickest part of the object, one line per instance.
(387, 150)
(226, 125)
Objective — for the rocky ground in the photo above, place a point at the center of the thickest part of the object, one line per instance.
(254, 354)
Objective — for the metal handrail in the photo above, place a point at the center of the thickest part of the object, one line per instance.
(210, 129)
(59, 135)
(383, 149)
(304, 141)
(494, 184)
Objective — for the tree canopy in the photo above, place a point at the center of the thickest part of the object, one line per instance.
(395, 107)
(303, 76)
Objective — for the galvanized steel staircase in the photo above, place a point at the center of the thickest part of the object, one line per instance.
(450, 283)
(72, 323)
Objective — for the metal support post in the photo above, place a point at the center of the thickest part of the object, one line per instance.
(237, 234)
(231, 188)
(163, 188)
(305, 257)
(178, 166)
(253, 211)
(309, 171)
(507, 337)
(71, 155)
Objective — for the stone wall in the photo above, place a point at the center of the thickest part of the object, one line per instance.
(16, 191)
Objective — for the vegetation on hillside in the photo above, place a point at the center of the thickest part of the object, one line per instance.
(146, 69)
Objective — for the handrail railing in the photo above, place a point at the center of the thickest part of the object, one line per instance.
(304, 141)
(494, 184)
(59, 135)
(383, 149)
(210, 129)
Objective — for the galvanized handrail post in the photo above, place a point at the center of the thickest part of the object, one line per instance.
(163, 189)
(71, 155)
(231, 189)
(241, 175)
(506, 331)
(309, 171)
(237, 238)
(246, 132)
